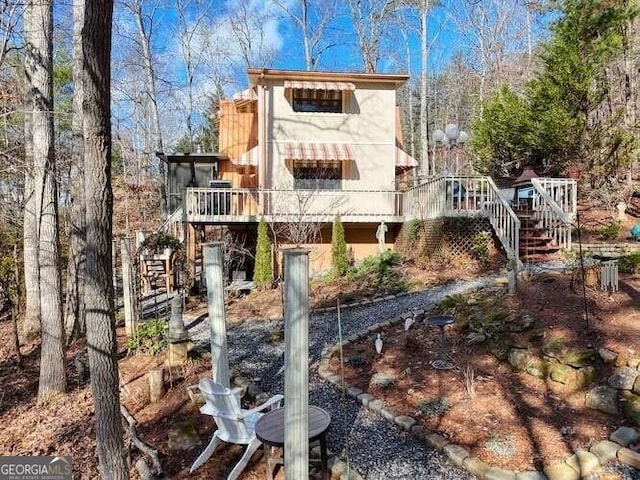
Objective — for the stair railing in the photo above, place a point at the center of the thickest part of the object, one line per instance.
(173, 224)
(563, 191)
(553, 219)
(504, 221)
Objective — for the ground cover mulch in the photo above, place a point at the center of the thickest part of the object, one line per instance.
(509, 419)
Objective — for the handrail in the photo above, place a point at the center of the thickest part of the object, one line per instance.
(563, 191)
(173, 224)
(505, 222)
(554, 219)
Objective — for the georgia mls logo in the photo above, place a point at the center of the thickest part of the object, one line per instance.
(35, 468)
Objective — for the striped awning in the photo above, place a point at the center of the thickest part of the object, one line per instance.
(247, 159)
(404, 160)
(318, 152)
(307, 85)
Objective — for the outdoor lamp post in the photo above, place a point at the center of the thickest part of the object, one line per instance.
(451, 137)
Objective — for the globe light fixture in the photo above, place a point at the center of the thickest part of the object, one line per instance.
(450, 138)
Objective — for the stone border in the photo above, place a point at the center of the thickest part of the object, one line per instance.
(581, 464)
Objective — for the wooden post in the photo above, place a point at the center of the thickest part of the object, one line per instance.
(512, 275)
(215, 302)
(128, 290)
(190, 245)
(155, 377)
(296, 372)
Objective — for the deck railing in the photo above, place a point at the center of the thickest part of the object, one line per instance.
(466, 196)
(247, 205)
(555, 220)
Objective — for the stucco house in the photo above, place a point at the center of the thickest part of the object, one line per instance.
(299, 148)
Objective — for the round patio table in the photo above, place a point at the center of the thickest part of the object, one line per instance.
(270, 431)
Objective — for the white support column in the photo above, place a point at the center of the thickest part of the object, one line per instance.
(296, 373)
(215, 302)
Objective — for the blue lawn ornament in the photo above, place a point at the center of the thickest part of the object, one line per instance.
(635, 232)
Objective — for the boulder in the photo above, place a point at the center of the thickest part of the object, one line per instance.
(636, 385)
(183, 435)
(603, 398)
(631, 408)
(561, 373)
(607, 356)
(623, 378)
(524, 359)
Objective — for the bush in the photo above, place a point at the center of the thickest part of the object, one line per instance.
(339, 258)
(480, 247)
(610, 232)
(629, 263)
(263, 272)
(378, 271)
(150, 338)
(158, 241)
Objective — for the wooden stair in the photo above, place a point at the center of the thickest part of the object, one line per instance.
(535, 242)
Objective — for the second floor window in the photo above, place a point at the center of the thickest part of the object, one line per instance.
(317, 175)
(305, 100)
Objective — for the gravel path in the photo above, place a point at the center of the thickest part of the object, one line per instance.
(377, 449)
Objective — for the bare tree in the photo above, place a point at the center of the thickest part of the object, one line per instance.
(74, 319)
(370, 19)
(10, 15)
(312, 18)
(101, 332)
(38, 68)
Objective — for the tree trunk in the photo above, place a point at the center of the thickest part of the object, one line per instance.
(31, 325)
(74, 319)
(424, 119)
(39, 73)
(101, 334)
(150, 79)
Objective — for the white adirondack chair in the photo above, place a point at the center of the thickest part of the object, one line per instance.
(234, 424)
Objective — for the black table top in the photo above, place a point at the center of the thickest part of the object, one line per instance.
(270, 427)
(440, 320)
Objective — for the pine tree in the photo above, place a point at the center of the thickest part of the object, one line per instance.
(263, 273)
(339, 258)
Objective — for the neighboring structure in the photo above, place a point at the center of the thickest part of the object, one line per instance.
(298, 148)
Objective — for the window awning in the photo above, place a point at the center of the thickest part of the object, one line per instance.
(318, 152)
(247, 159)
(404, 160)
(308, 85)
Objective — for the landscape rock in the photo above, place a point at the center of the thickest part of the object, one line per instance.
(630, 457)
(476, 466)
(561, 373)
(584, 462)
(603, 398)
(436, 440)
(606, 451)
(631, 408)
(524, 359)
(183, 435)
(530, 476)
(623, 378)
(496, 473)
(475, 337)
(636, 385)
(625, 436)
(456, 453)
(576, 358)
(606, 355)
(561, 471)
